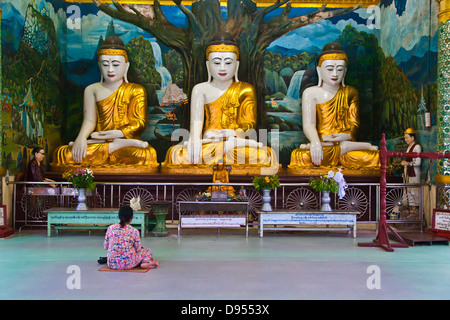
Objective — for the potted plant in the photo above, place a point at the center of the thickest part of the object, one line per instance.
(266, 184)
(83, 181)
(333, 182)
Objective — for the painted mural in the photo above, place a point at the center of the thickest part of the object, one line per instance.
(32, 80)
(392, 64)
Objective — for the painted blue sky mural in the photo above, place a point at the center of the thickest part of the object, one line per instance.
(400, 39)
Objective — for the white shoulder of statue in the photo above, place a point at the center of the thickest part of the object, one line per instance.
(92, 87)
(201, 86)
(200, 89)
(310, 91)
(310, 94)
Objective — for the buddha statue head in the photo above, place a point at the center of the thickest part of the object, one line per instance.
(332, 65)
(113, 60)
(222, 58)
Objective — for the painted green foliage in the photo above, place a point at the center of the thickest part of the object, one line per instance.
(142, 67)
(34, 74)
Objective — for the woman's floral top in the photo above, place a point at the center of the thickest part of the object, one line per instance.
(124, 247)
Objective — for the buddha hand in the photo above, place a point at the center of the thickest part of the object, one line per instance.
(108, 134)
(79, 149)
(337, 137)
(316, 152)
(194, 148)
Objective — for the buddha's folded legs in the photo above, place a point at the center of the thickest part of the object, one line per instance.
(97, 155)
(360, 159)
(331, 157)
(302, 157)
(134, 156)
(213, 153)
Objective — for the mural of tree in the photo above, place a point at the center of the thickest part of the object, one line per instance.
(142, 67)
(398, 98)
(245, 22)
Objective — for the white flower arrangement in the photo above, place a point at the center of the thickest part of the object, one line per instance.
(333, 182)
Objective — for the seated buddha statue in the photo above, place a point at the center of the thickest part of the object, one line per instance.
(330, 112)
(222, 121)
(114, 116)
(222, 175)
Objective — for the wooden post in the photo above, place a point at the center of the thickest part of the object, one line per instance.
(382, 239)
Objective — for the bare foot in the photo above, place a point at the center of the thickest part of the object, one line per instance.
(150, 265)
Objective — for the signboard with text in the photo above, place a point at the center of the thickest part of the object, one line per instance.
(441, 220)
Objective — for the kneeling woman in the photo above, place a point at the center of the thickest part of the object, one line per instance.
(124, 244)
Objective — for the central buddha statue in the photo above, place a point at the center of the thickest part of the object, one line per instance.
(330, 112)
(222, 121)
(114, 116)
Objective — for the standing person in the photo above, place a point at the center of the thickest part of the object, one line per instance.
(35, 170)
(412, 169)
(124, 245)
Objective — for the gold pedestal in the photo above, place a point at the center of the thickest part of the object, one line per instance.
(119, 170)
(323, 170)
(199, 169)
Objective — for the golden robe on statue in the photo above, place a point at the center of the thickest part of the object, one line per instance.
(338, 115)
(125, 110)
(235, 109)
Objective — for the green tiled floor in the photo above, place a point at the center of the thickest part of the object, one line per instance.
(203, 265)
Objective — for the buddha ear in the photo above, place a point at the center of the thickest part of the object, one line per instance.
(236, 72)
(319, 73)
(209, 72)
(126, 72)
(101, 74)
(343, 77)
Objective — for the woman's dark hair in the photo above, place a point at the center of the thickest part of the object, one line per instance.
(36, 150)
(125, 215)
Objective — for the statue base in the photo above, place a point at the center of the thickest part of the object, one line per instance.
(317, 171)
(205, 169)
(112, 170)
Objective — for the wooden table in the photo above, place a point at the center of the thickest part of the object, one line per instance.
(305, 218)
(93, 218)
(213, 220)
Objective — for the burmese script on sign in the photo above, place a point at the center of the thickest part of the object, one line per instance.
(205, 221)
(299, 218)
(442, 221)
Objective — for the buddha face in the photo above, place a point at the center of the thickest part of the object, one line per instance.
(113, 67)
(222, 66)
(332, 72)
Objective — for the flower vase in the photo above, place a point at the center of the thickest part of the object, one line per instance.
(326, 202)
(266, 198)
(82, 199)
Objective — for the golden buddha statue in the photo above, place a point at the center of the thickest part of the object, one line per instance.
(330, 114)
(222, 121)
(222, 175)
(115, 115)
